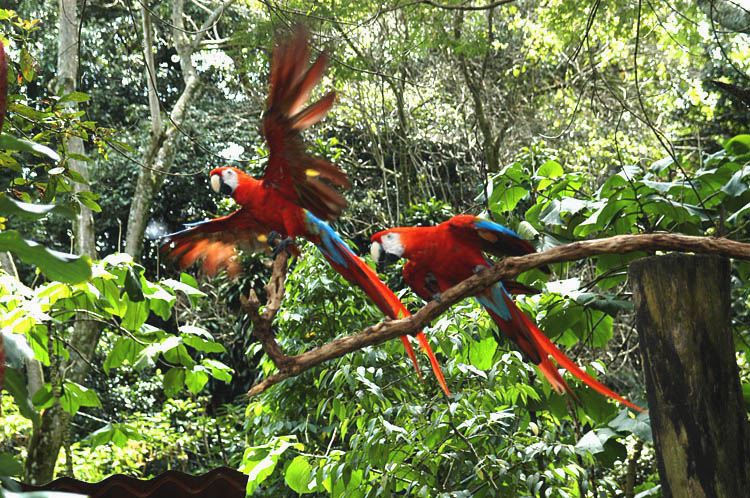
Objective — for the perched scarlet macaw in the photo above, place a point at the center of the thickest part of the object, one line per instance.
(441, 256)
(290, 199)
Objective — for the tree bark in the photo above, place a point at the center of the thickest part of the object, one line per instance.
(159, 155)
(45, 443)
(697, 412)
(728, 14)
(40, 464)
(491, 141)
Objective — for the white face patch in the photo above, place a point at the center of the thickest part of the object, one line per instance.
(391, 243)
(226, 183)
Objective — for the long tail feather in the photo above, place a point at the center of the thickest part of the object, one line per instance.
(536, 345)
(359, 273)
(549, 348)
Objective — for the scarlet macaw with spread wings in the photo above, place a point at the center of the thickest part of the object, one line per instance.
(294, 198)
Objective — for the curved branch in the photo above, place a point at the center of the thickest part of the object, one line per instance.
(506, 269)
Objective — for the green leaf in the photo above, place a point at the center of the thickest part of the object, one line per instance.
(43, 397)
(32, 212)
(482, 353)
(738, 214)
(119, 434)
(136, 314)
(203, 345)
(74, 97)
(87, 199)
(607, 303)
(79, 157)
(174, 380)
(27, 65)
(548, 170)
(735, 186)
(147, 357)
(75, 396)
(258, 462)
(15, 383)
(77, 177)
(195, 379)
(55, 265)
(219, 371)
(297, 475)
(589, 443)
(9, 466)
(738, 145)
(9, 142)
(639, 426)
(527, 231)
(133, 285)
(188, 285)
(125, 349)
(505, 199)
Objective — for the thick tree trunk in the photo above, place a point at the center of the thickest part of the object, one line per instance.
(728, 14)
(159, 155)
(697, 412)
(46, 441)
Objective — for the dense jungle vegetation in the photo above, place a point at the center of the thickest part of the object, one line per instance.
(561, 120)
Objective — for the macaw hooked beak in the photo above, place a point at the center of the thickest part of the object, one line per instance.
(381, 257)
(219, 186)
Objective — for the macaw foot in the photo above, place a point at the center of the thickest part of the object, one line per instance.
(437, 296)
(282, 245)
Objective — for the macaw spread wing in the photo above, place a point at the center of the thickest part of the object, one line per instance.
(215, 243)
(301, 177)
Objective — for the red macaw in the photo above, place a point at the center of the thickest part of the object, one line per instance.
(290, 199)
(441, 256)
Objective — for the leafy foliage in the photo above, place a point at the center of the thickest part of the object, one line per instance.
(440, 111)
(124, 301)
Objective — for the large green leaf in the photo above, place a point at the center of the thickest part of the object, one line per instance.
(738, 145)
(9, 466)
(547, 171)
(260, 461)
(196, 378)
(9, 142)
(297, 475)
(125, 349)
(173, 380)
(55, 265)
(640, 425)
(481, 353)
(119, 434)
(15, 384)
(505, 199)
(589, 443)
(75, 396)
(32, 212)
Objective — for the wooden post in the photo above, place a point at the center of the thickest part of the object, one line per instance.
(698, 417)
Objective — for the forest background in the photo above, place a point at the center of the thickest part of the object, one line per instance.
(562, 120)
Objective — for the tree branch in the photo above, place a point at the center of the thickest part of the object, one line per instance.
(508, 268)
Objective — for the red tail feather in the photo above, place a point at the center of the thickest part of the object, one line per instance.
(388, 303)
(548, 348)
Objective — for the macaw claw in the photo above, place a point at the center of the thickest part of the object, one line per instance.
(283, 243)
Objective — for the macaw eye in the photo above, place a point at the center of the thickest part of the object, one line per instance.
(392, 244)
